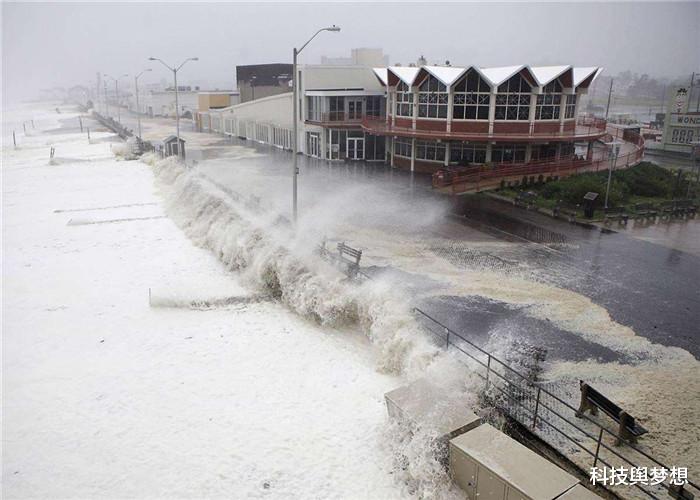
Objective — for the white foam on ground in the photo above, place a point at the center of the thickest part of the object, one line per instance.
(105, 397)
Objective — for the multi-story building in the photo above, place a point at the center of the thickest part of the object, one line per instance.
(423, 118)
(444, 115)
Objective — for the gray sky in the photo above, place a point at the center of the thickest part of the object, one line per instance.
(67, 43)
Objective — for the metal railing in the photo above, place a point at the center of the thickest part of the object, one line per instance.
(480, 177)
(340, 117)
(545, 413)
(584, 129)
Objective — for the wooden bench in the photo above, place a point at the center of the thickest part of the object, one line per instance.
(619, 214)
(347, 258)
(629, 429)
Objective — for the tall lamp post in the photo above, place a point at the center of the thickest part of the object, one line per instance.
(177, 104)
(295, 86)
(116, 88)
(138, 109)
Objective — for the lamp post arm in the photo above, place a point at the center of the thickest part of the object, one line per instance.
(309, 40)
(160, 61)
(185, 62)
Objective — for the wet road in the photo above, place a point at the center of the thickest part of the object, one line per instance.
(647, 277)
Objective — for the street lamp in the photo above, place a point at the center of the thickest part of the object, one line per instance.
(295, 169)
(612, 162)
(138, 109)
(116, 88)
(252, 86)
(177, 104)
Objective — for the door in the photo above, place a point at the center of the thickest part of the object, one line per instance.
(354, 109)
(356, 148)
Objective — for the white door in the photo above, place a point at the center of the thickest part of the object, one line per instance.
(354, 109)
(356, 148)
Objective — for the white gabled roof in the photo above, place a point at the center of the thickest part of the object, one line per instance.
(497, 76)
(446, 74)
(546, 74)
(580, 74)
(407, 74)
(382, 74)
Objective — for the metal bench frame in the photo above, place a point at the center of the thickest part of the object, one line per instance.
(592, 400)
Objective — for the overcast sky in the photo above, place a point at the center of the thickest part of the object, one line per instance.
(67, 43)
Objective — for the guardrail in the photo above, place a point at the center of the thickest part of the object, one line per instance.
(482, 176)
(544, 412)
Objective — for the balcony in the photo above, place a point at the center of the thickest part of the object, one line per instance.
(586, 129)
(342, 119)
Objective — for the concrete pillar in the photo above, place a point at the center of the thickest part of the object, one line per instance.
(562, 111)
(447, 152)
(488, 152)
(415, 107)
(450, 101)
(533, 110)
(413, 154)
(492, 112)
(528, 152)
(390, 144)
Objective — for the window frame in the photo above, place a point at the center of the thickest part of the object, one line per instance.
(548, 103)
(513, 99)
(404, 100)
(480, 97)
(433, 101)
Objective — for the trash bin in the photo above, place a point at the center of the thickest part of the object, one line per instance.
(589, 202)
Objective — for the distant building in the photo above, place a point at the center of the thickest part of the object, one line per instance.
(359, 57)
(217, 99)
(162, 102)
(255, 81)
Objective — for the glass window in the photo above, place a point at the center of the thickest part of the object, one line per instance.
(432, 98)
(373, 106)
(549, 102)
(402, 147)
(471, 98)
(313, 108)
(336, 106)
(404, 100)
(570, 106)
(508, 153)
(430, 150)
(513, 99)
(465, 153)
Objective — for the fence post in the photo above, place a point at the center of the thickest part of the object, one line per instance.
(447, 338)
(597, 448)
(537, 406)
(488, 371)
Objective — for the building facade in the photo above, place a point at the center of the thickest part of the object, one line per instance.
(424, 118)
(682, 122)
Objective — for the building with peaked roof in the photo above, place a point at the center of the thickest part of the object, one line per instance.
(444, 115)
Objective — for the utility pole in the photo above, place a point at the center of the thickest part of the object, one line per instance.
(607, 108)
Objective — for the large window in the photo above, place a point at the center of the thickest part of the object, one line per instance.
(313, 108)
(373, 106)
(549, 102)
(471, 98)
(432, 98)
(336, 109)
(402, 147)
(508, 153)
(430, 150)
(464, 153)
(513, 99)
(570, 106)
(404, 100)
